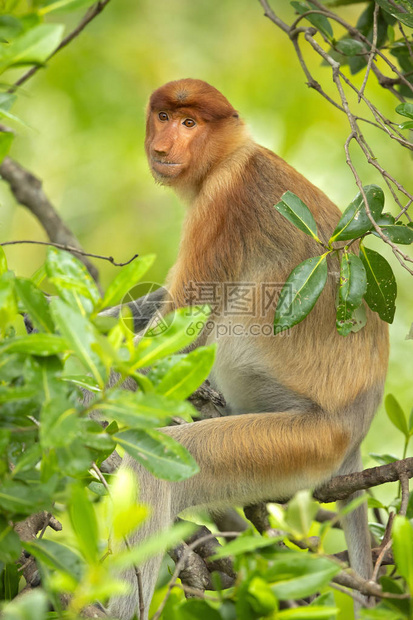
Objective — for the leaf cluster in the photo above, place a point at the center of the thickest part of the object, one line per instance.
(50, 435)
(364, 274)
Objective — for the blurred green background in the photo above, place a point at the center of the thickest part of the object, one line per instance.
(85, 116)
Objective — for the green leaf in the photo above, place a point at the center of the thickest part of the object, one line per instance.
(84, 381)
(64, 6)
(319, 21)
(160, 454)
(35, 304)
(32, 47)
(296, 212)
(402, 535)
(261, 598)
(8, 394)
(154, 545)
(187, 374)
(313, 612)
(36, 344)
(81, 335)
(396, 414)
(196, 609)
(8, 305)
(350, 47)
(397, 233)
(178, 330)
(404, 15)
(297, 575)
(72, 280)
(6, 139)
(385, 219)
(20, 499)
(10, 546)
(383, 459)
(355, 222)
(406, 125)
(301, 291)
(126, 279)
(84, 523)
(139, 410)
(33, 606)
(243, 544)
(381, 284)
(3, 261)
(55, 556)
(353, 284)
(301, 512)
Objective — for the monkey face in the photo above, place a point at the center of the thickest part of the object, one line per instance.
(170, 143)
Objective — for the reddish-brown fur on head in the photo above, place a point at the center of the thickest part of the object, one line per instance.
(195, 95)
(183, 156)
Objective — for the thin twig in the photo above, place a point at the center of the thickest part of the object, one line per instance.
(70, 248)
(372, 52)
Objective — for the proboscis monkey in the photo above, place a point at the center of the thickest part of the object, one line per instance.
(301, 402)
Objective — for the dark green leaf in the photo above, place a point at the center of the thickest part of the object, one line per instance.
(350, 47)
(319, 21)
(56, 556)
(353, 284)
(355, 222)
(126, 279)
(296, 212)
(398, 233)
(384, 459)
(36, 344)
(300, 292)
(160, 454)
(406, 125)
(381, 284)
(35, 304)
(404, 15)
(188, 374)
(385, 219)
(396, 414)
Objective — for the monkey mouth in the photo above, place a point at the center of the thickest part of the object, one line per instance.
(164, 168)
(166, 163)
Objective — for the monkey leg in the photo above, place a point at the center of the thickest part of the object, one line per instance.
(242, 459)
(255, 457)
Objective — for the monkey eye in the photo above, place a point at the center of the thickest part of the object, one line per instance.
(189, 122)
(163, 116)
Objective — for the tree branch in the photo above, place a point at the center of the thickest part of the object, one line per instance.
(27, 189)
